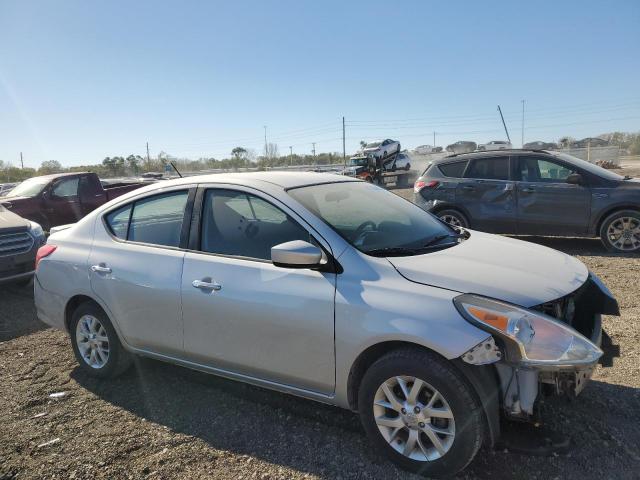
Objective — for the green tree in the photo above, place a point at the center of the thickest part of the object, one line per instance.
(50, 166)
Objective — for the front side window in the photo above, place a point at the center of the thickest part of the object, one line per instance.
(66, 188)
(372, 219)
(533, 169)
(489, 169)
(240, 224)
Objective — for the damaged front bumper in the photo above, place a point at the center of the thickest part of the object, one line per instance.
(522, 382)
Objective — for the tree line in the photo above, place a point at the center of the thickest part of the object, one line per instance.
(240, 158)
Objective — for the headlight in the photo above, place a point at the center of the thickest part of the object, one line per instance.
(530, 337)
(36, 230)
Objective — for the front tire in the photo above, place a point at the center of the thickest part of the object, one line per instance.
(96, 344)
(420, 412)
(453, 218)
(620, 232)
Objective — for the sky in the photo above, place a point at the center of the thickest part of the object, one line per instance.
(82, 80)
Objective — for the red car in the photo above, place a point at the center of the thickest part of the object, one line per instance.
(62, 198)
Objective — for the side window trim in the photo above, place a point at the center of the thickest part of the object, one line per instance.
(186, 219)
(195, 230)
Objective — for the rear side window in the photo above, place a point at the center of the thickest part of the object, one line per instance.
(454, 170)
(489, 169)
(240, 224)
(156, 220)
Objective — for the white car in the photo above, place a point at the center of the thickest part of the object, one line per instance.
(333, 289)
(381, 148)
(496, 145)
(427, 149)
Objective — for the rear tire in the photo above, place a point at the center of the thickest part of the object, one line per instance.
(96, 344)
(453, 218)
(620, 232)
(420, 412)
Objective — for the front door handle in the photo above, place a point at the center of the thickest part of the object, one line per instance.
(206, 284)
(469, 188)
(102, 268)
(528, 190)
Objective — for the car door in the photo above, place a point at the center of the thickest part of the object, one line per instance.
(487, 196)
(251, 317)
(547, 204)
(136, 268)
(62, 203)
(91, 193)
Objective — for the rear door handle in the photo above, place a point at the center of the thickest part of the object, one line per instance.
(102, 268)
(469, 187)
(206, 285)
(528, 190)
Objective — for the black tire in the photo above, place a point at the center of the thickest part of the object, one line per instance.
(407, 167)
(462, 400)
(118, 361)
(451, 214)
(609, 243)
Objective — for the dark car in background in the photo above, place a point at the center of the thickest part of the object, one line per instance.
(539, 145)
(531, 192)
(19, 242)
(462, 146)
(63, 198)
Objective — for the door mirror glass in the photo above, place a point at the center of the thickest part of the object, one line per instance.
(296, 254)
(575, 179)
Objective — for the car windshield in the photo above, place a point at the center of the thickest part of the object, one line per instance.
(589, 167)
(374, 220)
(373, 145)
(358, 162)
(29, 188)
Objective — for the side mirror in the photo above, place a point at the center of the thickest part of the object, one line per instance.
(296, 254)
(575, 179)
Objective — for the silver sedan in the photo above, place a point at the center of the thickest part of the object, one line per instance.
(332, 289)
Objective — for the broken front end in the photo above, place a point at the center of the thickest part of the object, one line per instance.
(550, 349)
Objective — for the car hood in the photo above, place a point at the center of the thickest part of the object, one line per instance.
(10, 222)
(512, 270)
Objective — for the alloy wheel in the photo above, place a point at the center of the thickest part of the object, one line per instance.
(451, 220)
(624, 233)
(414, 418)
(92, 341)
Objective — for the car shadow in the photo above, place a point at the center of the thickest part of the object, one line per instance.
(575, 246)
(17, 312)
(318, 439)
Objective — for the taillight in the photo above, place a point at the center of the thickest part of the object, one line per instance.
(44, 251)
(420, 184)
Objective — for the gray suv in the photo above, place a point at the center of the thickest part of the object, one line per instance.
(533, 192)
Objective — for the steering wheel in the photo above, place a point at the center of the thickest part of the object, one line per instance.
(361, 230)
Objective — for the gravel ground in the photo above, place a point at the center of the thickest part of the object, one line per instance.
(162, 421)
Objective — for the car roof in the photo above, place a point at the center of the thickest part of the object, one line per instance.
(284, 180)
(491, 153)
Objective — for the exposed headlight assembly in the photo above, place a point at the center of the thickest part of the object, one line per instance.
(530, 338)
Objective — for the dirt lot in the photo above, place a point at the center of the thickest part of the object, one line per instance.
(161, 421)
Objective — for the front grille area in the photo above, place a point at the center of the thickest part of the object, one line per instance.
(15, 243)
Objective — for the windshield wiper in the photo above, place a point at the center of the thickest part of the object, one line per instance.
(432, 244)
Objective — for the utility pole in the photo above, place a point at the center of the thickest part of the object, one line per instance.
(313, 150)
(434, 139)
(148, 158)
(290, 155)
(522, 146)
(265, 141)
(504, 124)
(344, 149)
(21, 161)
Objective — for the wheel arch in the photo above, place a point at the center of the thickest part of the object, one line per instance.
(610, 211)
(73, 303)
(440, 206)
(483, 380)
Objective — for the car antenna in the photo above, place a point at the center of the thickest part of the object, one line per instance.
(176, 169)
